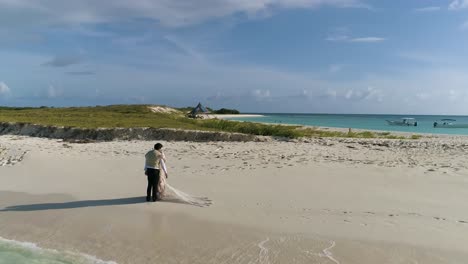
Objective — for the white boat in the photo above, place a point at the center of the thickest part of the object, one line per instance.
(406, 121)
(449, 123)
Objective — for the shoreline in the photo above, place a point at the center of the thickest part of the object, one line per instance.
(219, 116)
(345, 130)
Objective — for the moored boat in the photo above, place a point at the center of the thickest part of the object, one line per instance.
(449, 123)
(406, 121)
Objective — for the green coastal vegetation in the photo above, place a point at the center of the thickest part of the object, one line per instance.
(224, 111)
(127, 116)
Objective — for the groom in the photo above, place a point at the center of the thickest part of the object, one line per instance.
(152, 161)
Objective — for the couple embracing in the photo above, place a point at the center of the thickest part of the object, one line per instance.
(155, 170)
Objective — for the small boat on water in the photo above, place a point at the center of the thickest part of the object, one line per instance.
(406, 121)
(449, 123)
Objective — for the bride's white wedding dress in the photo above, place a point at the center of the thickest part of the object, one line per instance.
(169, 193)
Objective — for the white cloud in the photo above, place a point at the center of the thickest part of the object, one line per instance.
(458, 4)
(373, 94)
(167, 12)
(355, 40)
(367, 39)
(4, 89)
(343, 35)
(370, 93)
(427, 9)
(255, 87)
(261, 94)
(349, 94)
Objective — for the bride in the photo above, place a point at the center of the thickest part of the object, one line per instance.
(169, 193)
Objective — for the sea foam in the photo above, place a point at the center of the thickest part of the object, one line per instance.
(18, 252)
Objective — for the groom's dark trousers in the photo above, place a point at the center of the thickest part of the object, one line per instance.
(153, 180)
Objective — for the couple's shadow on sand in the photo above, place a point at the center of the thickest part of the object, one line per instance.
(204, 202)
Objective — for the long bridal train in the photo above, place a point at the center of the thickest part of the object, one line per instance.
(175, 195)
(171, 194)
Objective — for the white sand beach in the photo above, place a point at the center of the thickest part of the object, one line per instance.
(225, 116)
(331, 200)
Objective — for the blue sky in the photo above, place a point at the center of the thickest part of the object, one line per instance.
(308, 56)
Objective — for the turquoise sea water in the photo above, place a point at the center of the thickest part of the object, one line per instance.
(370, 122)
(14, 252)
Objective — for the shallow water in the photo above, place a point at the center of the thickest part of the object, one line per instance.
(12, 251)
(371, 122)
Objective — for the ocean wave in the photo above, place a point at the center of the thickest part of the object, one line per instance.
(12, 251)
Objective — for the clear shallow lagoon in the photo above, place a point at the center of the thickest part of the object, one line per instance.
(370, 122)
(14, 252)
